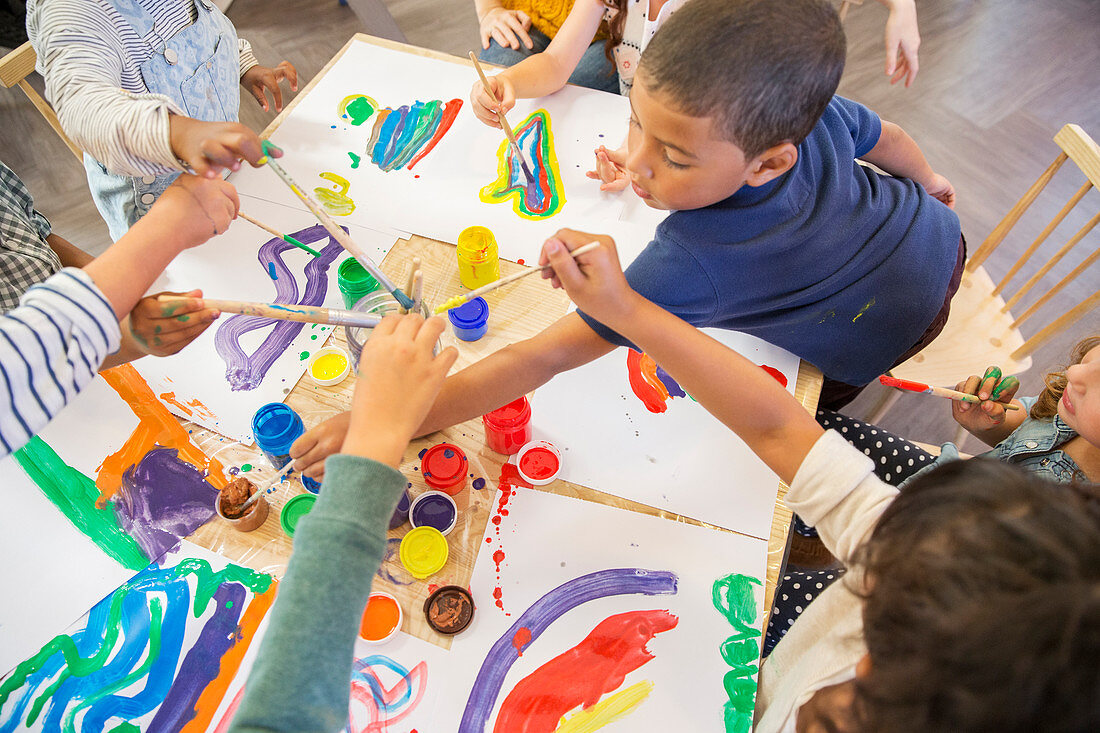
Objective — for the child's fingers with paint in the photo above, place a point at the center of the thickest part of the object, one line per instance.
(482, 102)
(162, 329)
(210, 147)
(261, 79)
(995, 390)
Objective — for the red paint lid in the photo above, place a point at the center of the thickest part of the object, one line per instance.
(444, 464)
(512, 415)
(539, 462)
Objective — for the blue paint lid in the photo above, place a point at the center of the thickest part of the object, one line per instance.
(472, 314)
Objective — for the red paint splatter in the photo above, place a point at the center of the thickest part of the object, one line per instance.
(498, 558)
(583, 674)
(520, 262)
(521, 639)
(509, 480)
(432, 588)
(776, 374)
(416, 175)
(489, 540)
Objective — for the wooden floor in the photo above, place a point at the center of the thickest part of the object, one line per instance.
(997, 80)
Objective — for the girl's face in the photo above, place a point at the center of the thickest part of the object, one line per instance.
(1080, 403)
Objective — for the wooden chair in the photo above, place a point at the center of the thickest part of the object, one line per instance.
(981, 329)
(14, 70)
(844, 6)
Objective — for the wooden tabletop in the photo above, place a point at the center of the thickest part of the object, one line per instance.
(517, 311)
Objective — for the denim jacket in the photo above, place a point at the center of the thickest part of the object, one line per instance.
(1034, 446)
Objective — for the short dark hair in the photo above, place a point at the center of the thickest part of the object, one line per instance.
(982, 607)
(763, 69)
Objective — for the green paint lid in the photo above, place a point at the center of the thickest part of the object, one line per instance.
(294, 510)
(354, 281)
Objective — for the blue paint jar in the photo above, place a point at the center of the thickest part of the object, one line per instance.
(470, 320)
(276, 427)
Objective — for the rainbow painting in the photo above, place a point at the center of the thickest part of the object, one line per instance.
(544, 196)
(399, 137)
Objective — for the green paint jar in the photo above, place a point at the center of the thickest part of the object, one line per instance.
(354, 282)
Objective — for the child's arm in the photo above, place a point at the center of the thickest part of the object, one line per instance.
(902, 41)
(989, 422)
(496, 380)
(507, 27)
(898, 154)
(262, 79)
(300, 679)
(733, 389)
(542, 73)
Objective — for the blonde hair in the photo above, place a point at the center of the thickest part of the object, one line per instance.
(1046, 406)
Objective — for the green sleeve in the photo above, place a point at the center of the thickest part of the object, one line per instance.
(302, 676)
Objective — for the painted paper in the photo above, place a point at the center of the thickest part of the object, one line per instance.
(627, 428)
(541, 196)
(622, 628)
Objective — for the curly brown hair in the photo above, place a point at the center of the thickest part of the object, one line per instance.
(614, 27)
(1046, 406)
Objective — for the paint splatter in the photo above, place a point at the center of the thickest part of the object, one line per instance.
(508, 481)
(190, 408)
(246, 371)
(134, 641)
(336, 201)
(733, 597)
(355, 160)
(357, 108)
(478, 484)
(866, 307)
(583, 674)
(540, 615)
(532, 199)
(271, 271)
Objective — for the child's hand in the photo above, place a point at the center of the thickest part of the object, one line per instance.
(162, 330)
(192, 210)
(482, 104)
(399, 379)
(311, 449)
(595, 280)
(940, 188)
(902, 42)
(508, 27)
(990, 414)
(611, 169)
(261, 79)
(210, 147)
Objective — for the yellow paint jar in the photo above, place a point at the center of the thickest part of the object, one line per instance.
(478, 263)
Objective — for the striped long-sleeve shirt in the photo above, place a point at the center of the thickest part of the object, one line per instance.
(51, 347)
(91, 59)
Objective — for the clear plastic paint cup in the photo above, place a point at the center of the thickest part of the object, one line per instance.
(275, 427)
(507, 429)
(478, 262)
(379, 304)
(354, 282)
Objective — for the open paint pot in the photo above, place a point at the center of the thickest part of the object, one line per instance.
(381, 618)
(445, 467)
(508, 428)
(539, 462)
(424, 552)
(449, 609)
(434, 509)
(256, 514)
(293, 511)
(329, 366)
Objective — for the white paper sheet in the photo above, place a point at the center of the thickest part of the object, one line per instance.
(193, 383)
(682, 460)
(549, 540)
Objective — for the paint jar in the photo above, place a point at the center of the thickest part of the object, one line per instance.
(508, 428)
(276, 427)
(379, 304)
(478, 263)
(401, 513)
(445, 467)
(449, 609)
(354, 282)
(382, 618)
(256, 516)
(539, 462)
(434, 509)
(329, 366)
(470, 320)
(294, 510)
(423, 552)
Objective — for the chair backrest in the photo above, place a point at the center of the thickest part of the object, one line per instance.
(14, 70)
(844, 6)
(1078, 147)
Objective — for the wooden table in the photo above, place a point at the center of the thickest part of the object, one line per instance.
(517, 311)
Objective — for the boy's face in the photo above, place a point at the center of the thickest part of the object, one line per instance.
(676, 161)
(1080, 403)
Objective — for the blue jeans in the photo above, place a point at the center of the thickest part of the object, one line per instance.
(593, 70)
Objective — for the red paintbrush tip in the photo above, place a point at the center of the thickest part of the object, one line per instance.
(903, 384)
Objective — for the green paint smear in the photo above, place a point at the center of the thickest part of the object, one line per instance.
(354, 159)
(733, 597)
(1003, 386)
(183, 318)
(313, 337)
(246, 467)
(157, 329)
(303, 356)
(207, 583)
(359, 110)
(125, 728)
(74, 494)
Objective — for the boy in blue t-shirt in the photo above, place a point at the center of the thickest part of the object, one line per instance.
(775, 229)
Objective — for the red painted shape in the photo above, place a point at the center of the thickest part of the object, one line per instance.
(520, 262)
(450, 111)
(776, 374)
(521, 639)
(539, 463)
(582, 675)
(651, 397)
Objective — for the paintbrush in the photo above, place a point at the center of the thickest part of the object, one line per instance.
(951, 394)
(285, 237)
(337, 231)
(267, 488)
(503, 121)
(410, 283)
(460, 299)
(282, 312)
(417, 290)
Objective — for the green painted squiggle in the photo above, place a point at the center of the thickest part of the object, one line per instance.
(733, 597)
(75, 495)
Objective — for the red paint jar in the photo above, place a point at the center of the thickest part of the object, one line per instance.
(446, 468)
(509, 428)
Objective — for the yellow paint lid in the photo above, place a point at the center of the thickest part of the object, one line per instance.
(424, 551)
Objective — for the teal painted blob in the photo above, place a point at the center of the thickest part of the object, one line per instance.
(271, 271)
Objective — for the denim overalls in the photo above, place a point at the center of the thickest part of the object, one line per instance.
(198, 69)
